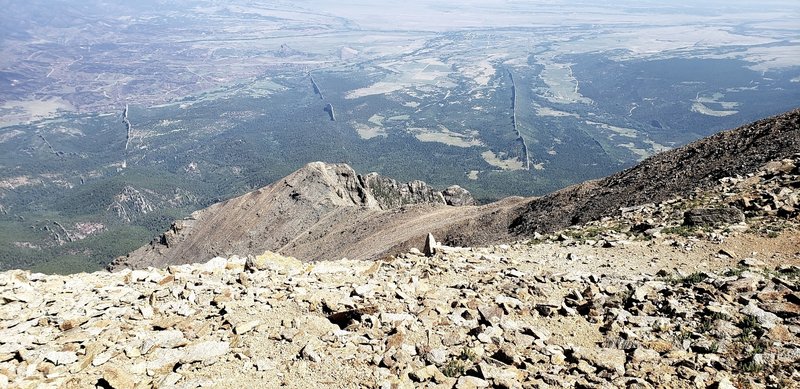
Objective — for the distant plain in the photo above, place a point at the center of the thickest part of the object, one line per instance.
(500, 97)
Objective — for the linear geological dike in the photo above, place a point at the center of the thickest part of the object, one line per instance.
(50, 146)
(525, 158)
(317, 89)
(329, 109)
(128, 127)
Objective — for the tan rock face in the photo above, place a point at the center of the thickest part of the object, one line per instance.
(316, 213)
(118, 378)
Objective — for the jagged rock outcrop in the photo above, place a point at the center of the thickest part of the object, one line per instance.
(391, 194)
(320, 206)
(130, 203)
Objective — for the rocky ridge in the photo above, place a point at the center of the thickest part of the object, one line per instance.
(327, 212)
(696, 166)
(293, 215)
(671, 294)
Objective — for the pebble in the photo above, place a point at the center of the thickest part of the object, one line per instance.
(61, 358)
(206, 352)
(118, 378)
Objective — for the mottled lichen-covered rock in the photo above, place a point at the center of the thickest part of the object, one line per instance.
(701, 217)
(458, 196)
(274, 262)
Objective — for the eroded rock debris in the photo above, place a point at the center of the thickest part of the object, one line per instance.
(638, 300)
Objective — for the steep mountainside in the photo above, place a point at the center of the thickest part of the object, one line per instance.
(310, 213)
(685, 293)
(325, 212)
(673, 173)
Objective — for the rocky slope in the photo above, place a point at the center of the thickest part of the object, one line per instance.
(684, 293)
(310, 210)
(678, 172)
(325, 212)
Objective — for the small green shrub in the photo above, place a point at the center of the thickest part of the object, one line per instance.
(718, 316)
(468, 355)
(454, 368)
(759, 347)
(693, 278)
(749, 322)
(734, 272)
(750, 367)
(706, 325)
(684, 231)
